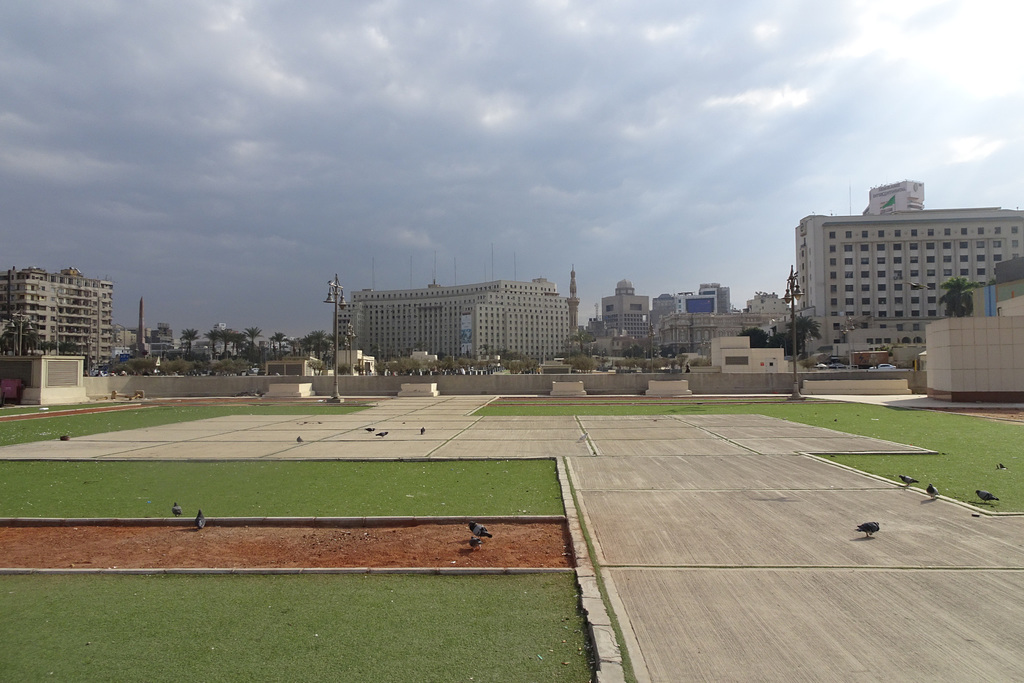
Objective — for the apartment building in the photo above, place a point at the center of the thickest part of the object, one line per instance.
(626, 313)
(62, 308)
(473, 319)
(875, 279)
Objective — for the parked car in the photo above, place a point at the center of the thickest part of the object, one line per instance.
(884, 366)
(836, 366)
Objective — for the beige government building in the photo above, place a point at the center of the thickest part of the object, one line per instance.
(474, 320)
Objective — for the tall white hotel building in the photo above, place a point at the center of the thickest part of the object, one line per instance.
(875, 279)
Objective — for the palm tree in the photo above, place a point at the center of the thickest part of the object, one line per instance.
(806, 328)
(277, 341)
(214, 336)
(316, 343)
(958, 300)
(188, 335)
(251, 335)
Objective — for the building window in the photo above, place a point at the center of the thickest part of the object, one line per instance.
(865, 288)
(898, 300)
(998, 230)
(864, 234)
(865, 260)
(929, 259)
(980, 244)
(849, 234)
(881, 301)
(965, 271)
(834, 302)
(865, 274)
(879, 247)
(897, 259)
(831, 248)
(865, 301)
(849, 302)
(832, 234)
(880, 260)
(848, 275)
(848, 288)
(863, 247)
(980, 257)
(964, 258)
(997, 257)
(997, 244)
(931, 232)
(963, 245)
(848, 262)
(831, 261)
(915, 299)
(981, 271)
(847, 247)
(947, 272)
(946, 259)
(882, 314)
(881, 286)
(881, 273)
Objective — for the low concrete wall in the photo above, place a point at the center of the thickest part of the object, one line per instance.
(564, 388)
(419, 389)
(483, 385)
(669, 388)
(856, 387)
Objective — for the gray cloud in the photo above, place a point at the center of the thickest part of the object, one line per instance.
(224, 160)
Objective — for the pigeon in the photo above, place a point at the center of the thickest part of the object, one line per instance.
(423, 430)
(298, 439)
(381, 434)
(1000, 466)
(370, 429)
(932, 491)
(868, 527)
(200, 520)
(65, 437)
(985, 496)
(916, 285)
(475, 543)
(582, 438)
(908, 480)
(479, 530)
(176, 509)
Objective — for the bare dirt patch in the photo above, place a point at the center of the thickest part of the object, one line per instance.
(1010, 414)
(138, 547)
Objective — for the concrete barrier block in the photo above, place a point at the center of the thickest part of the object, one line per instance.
(419, 389)
(568, 389)
(669, 388)
(290, 390)
(857, 387)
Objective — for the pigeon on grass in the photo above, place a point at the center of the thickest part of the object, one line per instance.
(932, 491)
(985, 495)
(1000, 466)
(200, 520)
(479, 530)
(868, 528)
(176, 509)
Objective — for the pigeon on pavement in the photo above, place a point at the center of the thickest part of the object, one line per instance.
(66, 437)
(381, 434)
(200, 520)
(908, 480)
(423, 430)
(868, 527)
(370, 429)
(479, 530)
(582, 438)
(176, 509)
(932, 491)
(985, 496)
(475, 543)
(298, 439)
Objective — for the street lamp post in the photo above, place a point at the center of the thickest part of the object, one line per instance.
(793, 295)
(336, 296)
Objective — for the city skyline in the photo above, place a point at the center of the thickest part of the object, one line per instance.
(225, 160)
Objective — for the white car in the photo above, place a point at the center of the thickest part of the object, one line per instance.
(884, 366)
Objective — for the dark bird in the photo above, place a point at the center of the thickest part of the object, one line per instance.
(200, 520)
(381, 434)
(1000, 466)
(932, 491)
(298, 439)
(370, 429)
(479, 530)
(176, 509)
(582, 438)
(985, 496)
(868, 527)
(475, 543)
(65, 437)
(908, 480)
(423, 430)
(916, 285)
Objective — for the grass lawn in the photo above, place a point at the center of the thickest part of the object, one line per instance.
(969, 448)
(393, 628)
(54, 425)
(278, 488)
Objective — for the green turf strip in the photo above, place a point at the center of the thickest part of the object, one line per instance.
(291, 628)
(278, 488)
(969, 448)
(53, 426)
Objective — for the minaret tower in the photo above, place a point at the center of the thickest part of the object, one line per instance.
(574, 303)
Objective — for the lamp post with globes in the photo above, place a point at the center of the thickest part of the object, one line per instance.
(336, 296)
(793, 295)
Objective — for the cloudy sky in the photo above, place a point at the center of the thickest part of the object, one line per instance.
(225, 159)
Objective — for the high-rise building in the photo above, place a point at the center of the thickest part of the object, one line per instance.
(626, 314)
(474, 319)
(876, 279)
(64, 308)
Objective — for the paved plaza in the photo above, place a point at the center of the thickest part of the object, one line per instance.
(727, 550)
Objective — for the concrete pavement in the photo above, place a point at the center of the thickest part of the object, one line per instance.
(727, 552)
